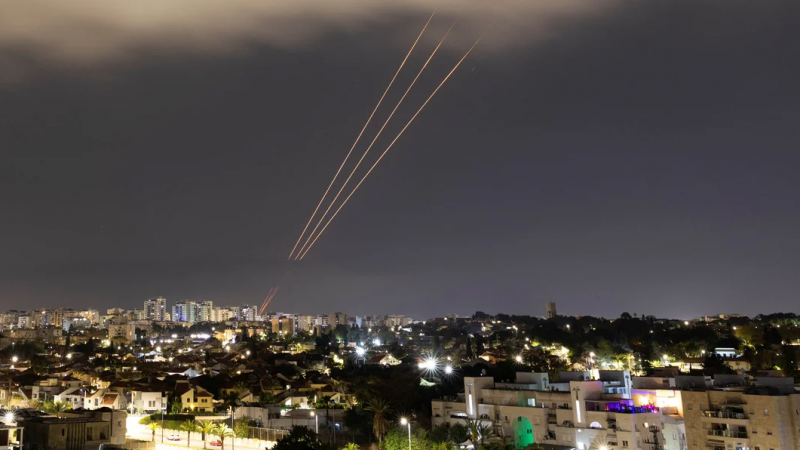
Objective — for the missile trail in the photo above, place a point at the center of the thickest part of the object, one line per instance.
(274, 291)
(310, 219)
(322, 217)
(265, 300)
(303, 254)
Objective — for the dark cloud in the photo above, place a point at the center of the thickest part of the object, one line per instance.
(639, 157)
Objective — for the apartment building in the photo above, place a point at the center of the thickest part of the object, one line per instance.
(125, 332)
(575, 412)
(283, 325)
(155, 309)
(683, 412)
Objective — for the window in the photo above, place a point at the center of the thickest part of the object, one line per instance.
(757, 448)
(769, 433)
(62, 431)
(754, 431)
(694, 443)
(624, 443)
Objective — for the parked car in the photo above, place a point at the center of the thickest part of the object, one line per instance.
(173, 437)
(216, 443)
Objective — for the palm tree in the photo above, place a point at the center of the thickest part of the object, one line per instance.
(381, 408)
(207, 427)
(153, 426)
(223, 431)
(240, 387)
(189, 425)
(57, 408)
(352, 446)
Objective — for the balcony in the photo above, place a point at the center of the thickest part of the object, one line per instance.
(725, 414)
(728, 434)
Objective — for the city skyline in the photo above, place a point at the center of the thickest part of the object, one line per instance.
(621, 157)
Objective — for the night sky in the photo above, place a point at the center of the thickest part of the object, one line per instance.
(613, 156)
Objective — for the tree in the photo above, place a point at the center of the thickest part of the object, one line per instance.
(223, 431)
(458, 433)
(207, 427)
(352, 446)
(440, 433)
(381, 408)
(241, 387)
(300, 438)
(242, 429)
(153, 426)
(232, 400)
(176, 407)
(57, 408)
(189, 426)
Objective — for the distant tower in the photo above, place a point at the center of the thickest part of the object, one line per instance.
(551, 309)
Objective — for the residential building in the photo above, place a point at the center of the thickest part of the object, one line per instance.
(204, 311)
(551, 310)
(76, 432)
(125, 332)
(337, 318)
(148, 401)
(155, 309)
(248, 313)
(185, 311)
(283, 325)
(575, 412)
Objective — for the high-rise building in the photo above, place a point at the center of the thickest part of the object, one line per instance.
(125, 332)
(283, 325)
(219, 314)
(204, 311)
(155, 309)
(248, 313)
(337, 318)
(551, 310)
(185, 311)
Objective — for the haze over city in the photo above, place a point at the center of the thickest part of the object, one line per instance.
(609, 156)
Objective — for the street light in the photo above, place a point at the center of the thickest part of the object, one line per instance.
(448, 369)
(316, 421)
(518, 358)
(404, 421)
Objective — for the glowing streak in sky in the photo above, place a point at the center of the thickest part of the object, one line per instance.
(310, 219)
(391, 144)
(322, 218)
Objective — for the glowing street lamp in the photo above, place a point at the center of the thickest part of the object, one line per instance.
(448, 369)
(404, 421)
(518, 358)
(14, 359)
(316, 420)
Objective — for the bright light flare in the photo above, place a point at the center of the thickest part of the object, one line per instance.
(448, 369)
(429, 364)
(376, 342)
(403, 421)
(518, 358)
(10, 417)
(360, 351)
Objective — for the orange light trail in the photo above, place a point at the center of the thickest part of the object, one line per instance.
(303, 254)
(322, 217)
(310, 219)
